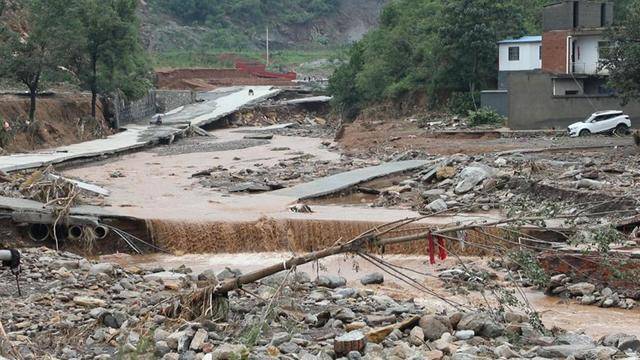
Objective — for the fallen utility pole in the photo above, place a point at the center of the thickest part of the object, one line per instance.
(205, 301)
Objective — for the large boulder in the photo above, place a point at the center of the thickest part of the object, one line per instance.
(434, 326)
(482, 324)
(229, 352)
(438, 205)
(331, 281)
(562, 351)
(374, 278)
(472, 176)
(582, 288)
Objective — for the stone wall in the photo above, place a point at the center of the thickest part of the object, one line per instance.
(156, 101)
(134, 111)
(167, 100)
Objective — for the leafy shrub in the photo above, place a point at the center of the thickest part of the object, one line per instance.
(461, 103)
(484, 116)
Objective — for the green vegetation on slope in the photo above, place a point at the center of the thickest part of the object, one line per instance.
(281, 60)
(623, 59)
(446, 49)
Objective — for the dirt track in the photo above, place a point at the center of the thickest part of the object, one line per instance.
(384, 138)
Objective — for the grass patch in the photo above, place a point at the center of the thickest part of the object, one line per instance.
(281, 60)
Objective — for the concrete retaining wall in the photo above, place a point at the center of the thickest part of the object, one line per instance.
(533, 106)
(497, 100)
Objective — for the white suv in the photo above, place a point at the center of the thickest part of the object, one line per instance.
(611, 121)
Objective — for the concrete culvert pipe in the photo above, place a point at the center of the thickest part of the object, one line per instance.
(38, 232)
(76, 232)
(101, 232)
(61, 231)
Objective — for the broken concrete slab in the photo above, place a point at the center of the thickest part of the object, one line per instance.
(308, 100)
(83, 185)
(332, 184)
(259, 137)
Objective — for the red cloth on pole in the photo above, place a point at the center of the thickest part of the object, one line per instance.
(432, 249)
(442, 249)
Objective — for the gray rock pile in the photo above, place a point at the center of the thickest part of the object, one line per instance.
(77, 309)
(588, 294)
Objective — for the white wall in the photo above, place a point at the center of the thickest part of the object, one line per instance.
(529, 57)
(561, 86)
(587, 57)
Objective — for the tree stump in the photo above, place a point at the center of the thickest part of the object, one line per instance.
(353, 341)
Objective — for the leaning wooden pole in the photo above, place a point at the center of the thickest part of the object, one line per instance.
(201, 302)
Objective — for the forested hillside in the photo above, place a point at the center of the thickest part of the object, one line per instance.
(444, 49)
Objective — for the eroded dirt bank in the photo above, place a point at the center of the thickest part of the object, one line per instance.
(63, 119)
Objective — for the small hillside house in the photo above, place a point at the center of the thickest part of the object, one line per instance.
(552, 80)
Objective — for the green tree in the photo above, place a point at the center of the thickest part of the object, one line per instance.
(433, 47)
(468, 38)
(29, 56)
(393, 60)
(622, 58)
(108, 55)
(342, 84)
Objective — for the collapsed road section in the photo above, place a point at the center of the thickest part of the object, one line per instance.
(277, 240)
(216, 105)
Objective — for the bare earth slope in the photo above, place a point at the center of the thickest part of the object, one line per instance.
(354, 18)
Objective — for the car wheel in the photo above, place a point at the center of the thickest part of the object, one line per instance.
(584, 132)
(621, 130)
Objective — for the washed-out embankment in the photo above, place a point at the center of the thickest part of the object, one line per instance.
(271, 235)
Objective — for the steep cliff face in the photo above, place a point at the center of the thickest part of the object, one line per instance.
(164, 31)
(349, 23)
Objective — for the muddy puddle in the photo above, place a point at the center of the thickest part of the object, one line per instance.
(562, 313)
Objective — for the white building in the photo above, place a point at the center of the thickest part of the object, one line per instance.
(523, 54)
(585, 53)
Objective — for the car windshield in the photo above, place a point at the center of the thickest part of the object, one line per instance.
(596, 117)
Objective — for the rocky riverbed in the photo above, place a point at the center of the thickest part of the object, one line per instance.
(73, 308)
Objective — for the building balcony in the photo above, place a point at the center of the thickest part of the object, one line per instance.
(587, 68)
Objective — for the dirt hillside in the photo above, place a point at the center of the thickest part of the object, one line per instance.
(161, 32)
(63, 120)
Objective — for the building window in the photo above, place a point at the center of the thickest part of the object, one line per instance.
(603, 47)
(603, 15)
(540, 52)
(514, 53)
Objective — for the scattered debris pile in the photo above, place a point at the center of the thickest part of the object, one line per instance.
(306, 121)
(298, 169)
(565, 185)
(41, 185)
(84, 310)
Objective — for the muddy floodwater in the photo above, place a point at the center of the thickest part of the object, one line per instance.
(565, 314)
